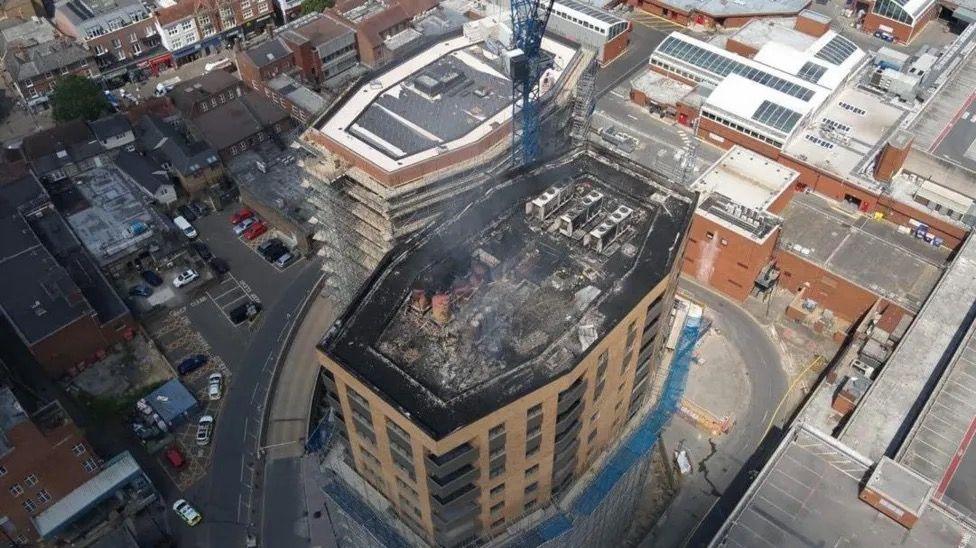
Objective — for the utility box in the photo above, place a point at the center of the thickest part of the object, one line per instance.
(850, 394)
(897, 492)
(516, 64)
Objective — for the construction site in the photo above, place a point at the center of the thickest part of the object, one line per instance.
(420, 137)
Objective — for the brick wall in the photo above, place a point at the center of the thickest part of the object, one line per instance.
(724, 259)
(79, 341)
(614, 48)
(738, 47)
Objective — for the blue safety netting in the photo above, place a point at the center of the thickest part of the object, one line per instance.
(632, 451)
(360, 513)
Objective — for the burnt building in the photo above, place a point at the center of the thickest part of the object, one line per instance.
(491, 362)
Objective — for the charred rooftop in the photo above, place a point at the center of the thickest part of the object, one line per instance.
(511, 293)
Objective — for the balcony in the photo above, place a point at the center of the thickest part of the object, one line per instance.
(563, 467)
(446, 485)
(533, 422)
(357, 406)
(641, 374)
(330, 384)
(443, 465)
(443, 506)
(496, 442)
(565, 419)
(457, 536)
(452, 518)
(563, 440)
(571, 395)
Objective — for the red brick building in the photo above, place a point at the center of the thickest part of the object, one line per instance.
(719, 13)
(903, 21)
(43, 457)
(374, 25)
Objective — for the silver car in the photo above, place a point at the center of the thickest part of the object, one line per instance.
(205, 427)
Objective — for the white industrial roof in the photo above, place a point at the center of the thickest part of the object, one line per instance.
(337, 126)
(747, 178)
(793, 60)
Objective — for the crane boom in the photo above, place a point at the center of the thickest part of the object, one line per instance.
(529, 20)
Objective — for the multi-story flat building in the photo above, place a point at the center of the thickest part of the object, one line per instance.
(204, 93)
(121, 33)
(43, 457)
(485, 370)
(189, 28)
(36, 56)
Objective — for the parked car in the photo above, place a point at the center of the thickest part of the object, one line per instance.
(215, 386)
(241, 227)
(141, 290)
(175, 457)
(144, 432)
(255, 230)
(887, 37)
(204, 429)
(187, 213)
(185, 227)
(218, 64)
(219, 266)
(246, 311)
(284, 260)
(269, 243)
(151, 278)
(272, 253)
(202, 250)
(191, 364)
(187, 512)
(200, 208)
(240, 215)
(185, 278)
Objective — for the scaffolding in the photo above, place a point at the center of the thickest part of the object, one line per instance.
(583, 106)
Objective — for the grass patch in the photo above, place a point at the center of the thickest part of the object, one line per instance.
(103, 407)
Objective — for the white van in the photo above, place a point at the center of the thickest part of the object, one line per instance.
(185, 227)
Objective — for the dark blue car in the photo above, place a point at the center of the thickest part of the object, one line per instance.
(191, 364)
(151, 278)
(140, 290)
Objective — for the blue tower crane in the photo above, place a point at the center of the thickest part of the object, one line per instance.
(529, 19)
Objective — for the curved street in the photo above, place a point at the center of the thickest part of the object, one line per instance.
(715, 471)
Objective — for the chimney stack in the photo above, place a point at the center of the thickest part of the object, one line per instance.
(441, 305)
(892, 156)
(419, 300)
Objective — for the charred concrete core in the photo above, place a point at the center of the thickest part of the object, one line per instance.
(509, 294)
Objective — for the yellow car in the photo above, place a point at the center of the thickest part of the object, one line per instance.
(187, 512)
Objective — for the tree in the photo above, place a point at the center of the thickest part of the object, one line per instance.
(77, 97)
(316, 6)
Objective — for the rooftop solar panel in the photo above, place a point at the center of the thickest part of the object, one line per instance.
(837, 50)
(776, 116)
(722, 66)
(811, 72)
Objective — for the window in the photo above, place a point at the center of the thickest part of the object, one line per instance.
(497, 507)
(186, 26)
(248, 13)
(30, 480)
(136, 48)
(133, 38)
(534, 411)
(529, 434)
(116, 43)
(497, 452)
(16, 490)
(498, 489)
(100, 49)
(529, 505)
(710, 235)
(532, 487)
(29, 505)
(43, 496)
(532, 470)
(500, 429)
(90, 465)
(498, 522)
(532, 452)
(496, 471)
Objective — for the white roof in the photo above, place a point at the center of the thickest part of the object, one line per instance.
(792, 60)
(917, 7)
(118, 472)
(747, 178)
(742, 98)
(337, 125)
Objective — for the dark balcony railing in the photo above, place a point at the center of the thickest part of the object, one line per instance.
(454, 481)
(441, 465)
(454, 501)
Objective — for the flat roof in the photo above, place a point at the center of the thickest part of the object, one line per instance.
(527, 301)
(117, 472)
(888, 410)
(738, 189)
(941, 438)
(872, 254)
(109, 213)
(759, 32)
(901, 485)
(724, 8)
(392, 126)
(660, 89)
(807, 495)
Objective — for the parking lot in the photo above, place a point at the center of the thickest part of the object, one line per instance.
(196, 319)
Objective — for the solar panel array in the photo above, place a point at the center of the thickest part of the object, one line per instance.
(837, 50)
(776, 116)
(812, 72)
(722, 66)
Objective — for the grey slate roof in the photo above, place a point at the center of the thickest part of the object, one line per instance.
(110, 126)
(43, 58)
(141, 169)
(268, 52)
(43, 150)
(165, 144)
(237, 120)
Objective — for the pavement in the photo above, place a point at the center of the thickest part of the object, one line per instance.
(717, 462)
(644, 37)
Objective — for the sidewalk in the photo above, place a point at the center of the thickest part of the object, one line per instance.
(292, 400)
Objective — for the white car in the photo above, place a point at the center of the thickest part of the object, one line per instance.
(185, 278)
(187, 512)
(218, 64)
(242, 226)
(215, 386)
(205, 426)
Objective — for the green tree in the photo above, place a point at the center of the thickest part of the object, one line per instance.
(316, 6)
(77, 97)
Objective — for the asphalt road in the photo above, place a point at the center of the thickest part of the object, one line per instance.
(224, 496)
(643, 40)
(728, 458)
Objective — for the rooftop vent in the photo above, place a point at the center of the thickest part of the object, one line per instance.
(549, 201)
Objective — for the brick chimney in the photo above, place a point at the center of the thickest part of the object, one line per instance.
(893, 155)
(441, 308)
